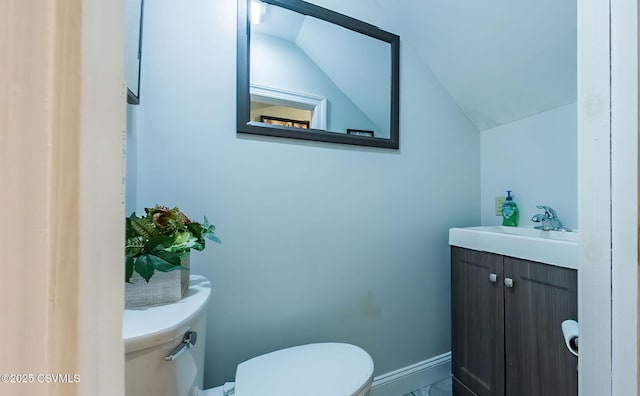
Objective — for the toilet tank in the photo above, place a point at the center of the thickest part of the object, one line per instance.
(151, 333)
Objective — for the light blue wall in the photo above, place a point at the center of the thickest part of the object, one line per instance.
(277, 63)
(320, 242)
(131, 157)
(536, 157)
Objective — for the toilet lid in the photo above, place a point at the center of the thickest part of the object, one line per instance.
(325, 369)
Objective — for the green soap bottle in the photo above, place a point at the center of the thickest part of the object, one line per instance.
(510, 213)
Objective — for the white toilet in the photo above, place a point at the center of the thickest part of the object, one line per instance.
(152, 334)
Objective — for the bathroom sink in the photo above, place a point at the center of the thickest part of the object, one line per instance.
(550, 247)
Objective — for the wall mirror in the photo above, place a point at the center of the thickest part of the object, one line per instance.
(133, 48)
(306, 72)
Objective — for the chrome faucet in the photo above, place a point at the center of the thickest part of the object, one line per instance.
(548, 220)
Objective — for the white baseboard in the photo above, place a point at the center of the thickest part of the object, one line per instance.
(410, 378)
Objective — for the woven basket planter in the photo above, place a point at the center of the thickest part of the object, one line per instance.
(163, 287)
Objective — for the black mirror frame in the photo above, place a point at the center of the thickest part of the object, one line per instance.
(134, 98)
(302, 7)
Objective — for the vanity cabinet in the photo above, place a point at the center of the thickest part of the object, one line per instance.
(506, 318)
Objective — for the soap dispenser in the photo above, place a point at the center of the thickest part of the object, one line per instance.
(510, 213)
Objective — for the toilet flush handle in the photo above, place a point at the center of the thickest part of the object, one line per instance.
(188, 340)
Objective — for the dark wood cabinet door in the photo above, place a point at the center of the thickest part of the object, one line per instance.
(537, 360)
(477, 315)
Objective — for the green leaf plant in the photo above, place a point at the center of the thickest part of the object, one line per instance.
(159, 240)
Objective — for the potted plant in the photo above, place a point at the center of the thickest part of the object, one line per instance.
(157, 250)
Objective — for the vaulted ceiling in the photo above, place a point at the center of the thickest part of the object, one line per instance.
(500, 60)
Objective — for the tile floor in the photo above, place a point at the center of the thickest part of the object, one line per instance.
(441, 388)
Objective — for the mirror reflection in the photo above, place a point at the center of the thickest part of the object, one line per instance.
(317, 75)
(133, 25)
(300, 54)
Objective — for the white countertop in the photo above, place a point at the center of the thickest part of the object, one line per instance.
(550, 247)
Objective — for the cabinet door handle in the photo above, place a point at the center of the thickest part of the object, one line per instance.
(493, 277)
(508, 282)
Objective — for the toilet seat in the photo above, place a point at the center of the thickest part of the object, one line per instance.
(324, 369)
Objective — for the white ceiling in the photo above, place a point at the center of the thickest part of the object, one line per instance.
(500, 60)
